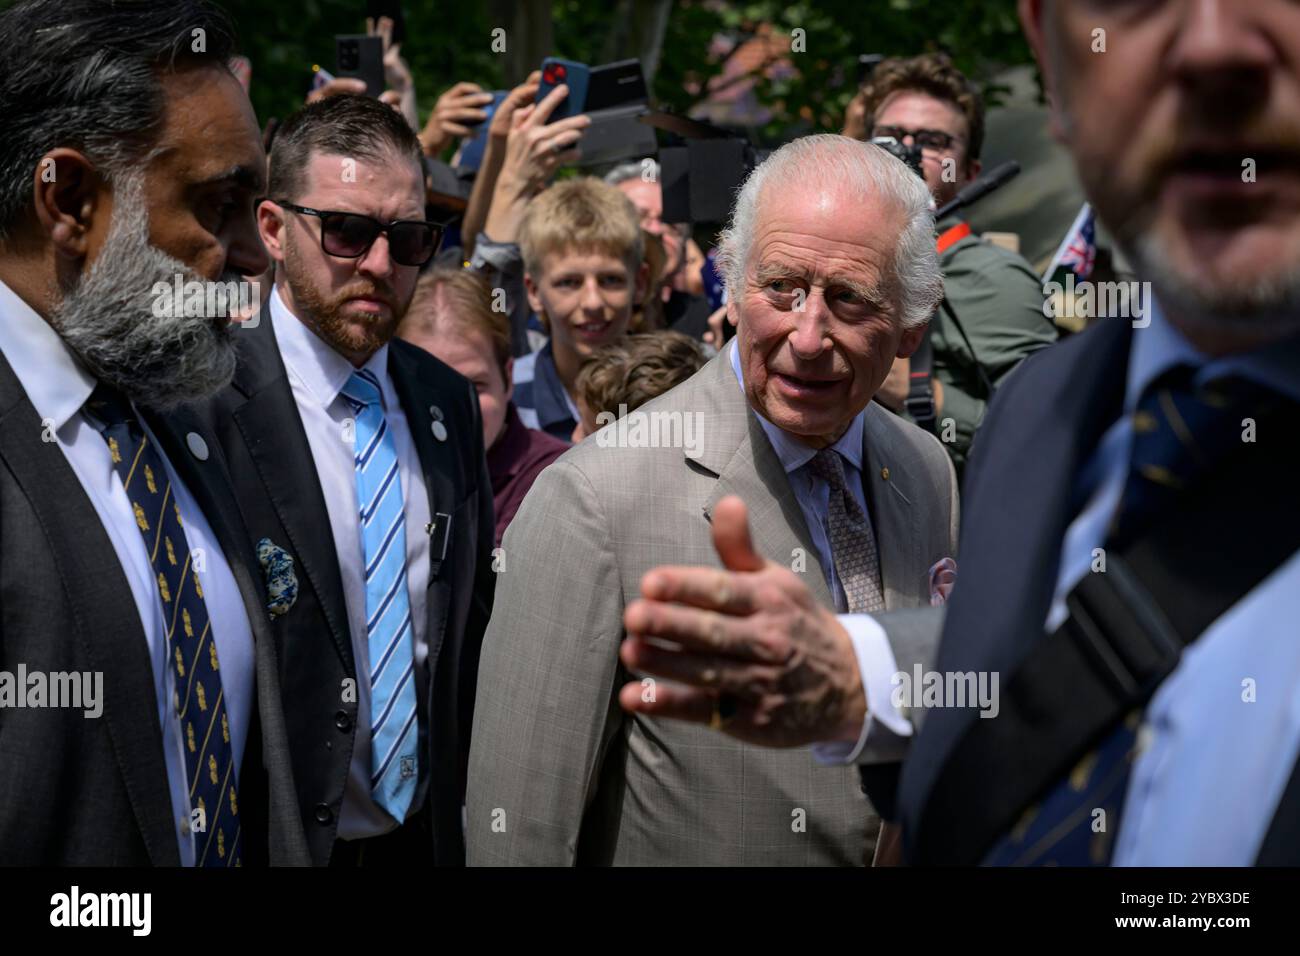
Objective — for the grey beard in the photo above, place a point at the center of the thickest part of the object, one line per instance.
(1269, 308)
(109, 322)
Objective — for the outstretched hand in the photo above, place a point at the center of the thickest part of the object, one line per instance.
(750, 650)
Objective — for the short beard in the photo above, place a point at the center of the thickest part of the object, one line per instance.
(324, 314)
(1264, 309)
(108, 319)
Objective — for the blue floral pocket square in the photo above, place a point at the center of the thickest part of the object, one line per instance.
(281, 581)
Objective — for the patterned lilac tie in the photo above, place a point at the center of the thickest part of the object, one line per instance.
(853, 544)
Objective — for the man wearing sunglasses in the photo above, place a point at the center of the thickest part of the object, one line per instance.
(358, 460)
(992, 315)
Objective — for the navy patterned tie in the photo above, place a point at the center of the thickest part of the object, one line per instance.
(198, 700)
(1180, 433)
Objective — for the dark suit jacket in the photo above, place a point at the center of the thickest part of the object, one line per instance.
(78, 791)
(1021, 494)
(275, 480)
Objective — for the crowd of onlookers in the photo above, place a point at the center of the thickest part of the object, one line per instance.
(573, 264)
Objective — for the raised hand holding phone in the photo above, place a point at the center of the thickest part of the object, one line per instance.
(574, 77)
(535, 149)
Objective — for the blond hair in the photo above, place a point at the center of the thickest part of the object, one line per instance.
(466, 298)
(582, 215)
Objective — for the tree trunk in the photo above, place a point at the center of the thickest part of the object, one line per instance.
(530, 36)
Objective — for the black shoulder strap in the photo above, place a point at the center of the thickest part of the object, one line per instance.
(920, 387)
(1281, 845)
(920, 384)
(985, 381)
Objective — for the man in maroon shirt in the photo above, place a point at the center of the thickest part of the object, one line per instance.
(451, 317)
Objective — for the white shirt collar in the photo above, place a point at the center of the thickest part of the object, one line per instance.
(54, 379)
(793, 453)
(321, 370)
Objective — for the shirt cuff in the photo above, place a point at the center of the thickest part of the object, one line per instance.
(501, 256)
(884, 723)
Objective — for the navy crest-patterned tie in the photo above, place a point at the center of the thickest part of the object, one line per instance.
(198, 700)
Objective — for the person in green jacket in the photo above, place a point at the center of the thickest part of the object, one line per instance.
(992, 316)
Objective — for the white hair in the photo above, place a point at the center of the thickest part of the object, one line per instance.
(642, 169)
(868, 171)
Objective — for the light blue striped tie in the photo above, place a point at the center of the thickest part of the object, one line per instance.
(394, 735)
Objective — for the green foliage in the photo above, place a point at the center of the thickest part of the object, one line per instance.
(981, 37)
(447, 42)
(285, 38)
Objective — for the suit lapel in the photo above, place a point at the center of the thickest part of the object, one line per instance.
(100, 601)
(738, 452)
(1281, 846)
(277, 444)
(438, 462)
(889, 483)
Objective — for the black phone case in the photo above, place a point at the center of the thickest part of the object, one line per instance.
(362, 57)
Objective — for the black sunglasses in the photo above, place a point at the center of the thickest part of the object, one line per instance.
(349, 235)
(925, 138)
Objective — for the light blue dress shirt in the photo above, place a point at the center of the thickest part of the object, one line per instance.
(813, 493)
(317, 375)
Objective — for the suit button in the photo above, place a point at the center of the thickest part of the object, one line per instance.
(343, 721)
(323, 813)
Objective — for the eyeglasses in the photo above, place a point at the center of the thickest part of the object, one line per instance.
(934, 139)
(349, 235)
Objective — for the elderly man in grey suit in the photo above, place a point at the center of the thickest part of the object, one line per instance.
(832, 273)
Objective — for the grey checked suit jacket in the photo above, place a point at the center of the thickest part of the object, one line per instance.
(559, 774)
